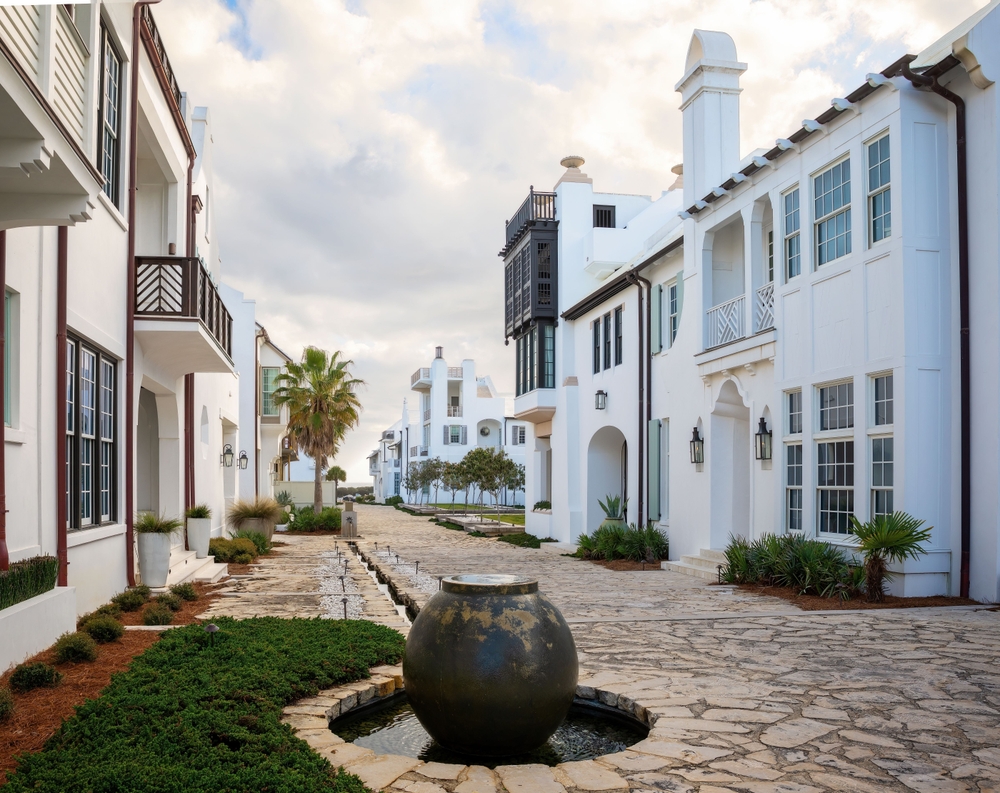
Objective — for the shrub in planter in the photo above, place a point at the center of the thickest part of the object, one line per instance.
(104, 629)
(6, 704)
(184, 591)
(75, 647)
(199, 529)
(157, 614)
(260, 514)
(171, 601)
(27, 579)
(28, 677)
(259, 540)
(129, 600)
(542, 505)
(154, 546)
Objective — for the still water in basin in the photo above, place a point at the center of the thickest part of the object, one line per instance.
(393, 728)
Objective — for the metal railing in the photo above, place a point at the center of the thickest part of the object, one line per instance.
(454, 411)
(726, 322)
(420, 374)
(455, 373)
(181, 288)
(161, 52)
(537, 206)
(764, 307)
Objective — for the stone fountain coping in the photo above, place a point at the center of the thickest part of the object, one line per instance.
(311, 718)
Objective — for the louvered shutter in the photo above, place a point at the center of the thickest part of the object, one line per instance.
(447, 435)
(463, 436)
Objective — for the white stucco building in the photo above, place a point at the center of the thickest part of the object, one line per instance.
(121, 389)
(824, 285)
(454, 411)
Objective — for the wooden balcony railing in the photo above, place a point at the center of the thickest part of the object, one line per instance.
(161, 53)
(181, 288)
(420, 374)
(726, 322)
(537, 206)
(455, 373)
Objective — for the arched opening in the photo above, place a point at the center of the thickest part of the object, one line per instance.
(607, 472)
(147, 458)
(489, 433)
(730, 458)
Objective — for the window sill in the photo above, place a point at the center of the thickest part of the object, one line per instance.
(95, 534)
(15, 436)
(113, 210)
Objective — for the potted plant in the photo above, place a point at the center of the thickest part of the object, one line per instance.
(154, 546)
(614, 510)
(257, 514)
(199, 529)
(284, 498)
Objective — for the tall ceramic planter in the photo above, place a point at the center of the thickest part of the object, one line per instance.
(490, 665)
(154, 559)
(608, 522)
(262, 525)
(199, 531)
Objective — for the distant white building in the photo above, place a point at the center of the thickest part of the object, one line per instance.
(456, 411)
(786, 339)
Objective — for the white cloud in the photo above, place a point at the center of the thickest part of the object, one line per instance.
(368, 153)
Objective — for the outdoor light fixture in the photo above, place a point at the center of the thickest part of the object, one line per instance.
(244, 461)
(763, 441)
(697, 448)
(601, 400)
(227, 455)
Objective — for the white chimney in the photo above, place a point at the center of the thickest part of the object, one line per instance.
(710, 91)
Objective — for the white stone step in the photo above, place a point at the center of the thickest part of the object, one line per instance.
(185, 566)
(719, 557)
(211, 573)
(691, 570)
(701, 561)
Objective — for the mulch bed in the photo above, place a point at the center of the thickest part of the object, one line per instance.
(817, 603)
(626, 564)
(39, 713)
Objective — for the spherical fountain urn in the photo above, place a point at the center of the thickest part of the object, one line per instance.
(490, 665)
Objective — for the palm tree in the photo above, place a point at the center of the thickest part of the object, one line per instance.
(884, 539)
(322, 404)
(335, 474)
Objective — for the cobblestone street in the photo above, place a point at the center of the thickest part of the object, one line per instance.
(748, 693)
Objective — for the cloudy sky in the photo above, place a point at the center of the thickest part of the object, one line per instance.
(369, 151)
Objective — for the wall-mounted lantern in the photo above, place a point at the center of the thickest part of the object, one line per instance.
(243, 461)
(227, 455)
(601, 400)
(697, 448)
(763, 441)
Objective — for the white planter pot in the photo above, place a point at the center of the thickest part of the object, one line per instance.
(199, 533)
(154, 559)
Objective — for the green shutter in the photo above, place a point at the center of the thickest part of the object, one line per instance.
(653, 469)
(680, 296)
(655, 313)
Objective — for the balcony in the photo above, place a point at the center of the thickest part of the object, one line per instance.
(537, 207)
(455, 373)
(427, 414)
(180, 320)
(536, 406)
(454, 411)
(420, 380)
(726, 322)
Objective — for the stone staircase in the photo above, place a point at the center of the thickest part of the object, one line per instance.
(185, 567)
(705, 565)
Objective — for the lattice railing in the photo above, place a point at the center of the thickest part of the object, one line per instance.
(726, 322)
(764, 307)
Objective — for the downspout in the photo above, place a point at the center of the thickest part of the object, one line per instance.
(62, 512)
(647, 361)
(189, 486)
(4, 556)
(965, 396)
(133, 163)
(634, 278)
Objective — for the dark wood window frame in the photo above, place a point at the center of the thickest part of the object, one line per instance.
(109, 137)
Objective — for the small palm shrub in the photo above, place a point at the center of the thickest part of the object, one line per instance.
(620, 542)
(75, 648)
(157, 614)
(260, 541)
(885, 539)
(104, 629)
(262, 507)
(184, 591)
(198, 511)
(811, 567)
(28, 677)
(130, 600)
(171, 601)
(6, 704)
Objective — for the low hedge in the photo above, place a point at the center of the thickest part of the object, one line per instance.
(27, 579)
(195, 714)
(522, 540)
(306, 520)
(240, 551)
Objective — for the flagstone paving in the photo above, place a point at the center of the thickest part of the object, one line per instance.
(744, 693)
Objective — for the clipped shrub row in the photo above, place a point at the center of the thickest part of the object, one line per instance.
(27, 579)
(238, 551)
(522, 540)
(306, 519)
(618, 542)
(225, 732)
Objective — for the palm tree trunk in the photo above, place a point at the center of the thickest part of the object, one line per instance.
(318, 490)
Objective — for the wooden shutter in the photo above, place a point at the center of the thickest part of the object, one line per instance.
(655, 313)
(463, 436)
(653, 469)
(447, 435)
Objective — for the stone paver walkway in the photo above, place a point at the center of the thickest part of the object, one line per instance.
(746, 693)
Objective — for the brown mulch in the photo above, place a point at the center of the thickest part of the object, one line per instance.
(625, 564)
(39, 713)
(817, 603)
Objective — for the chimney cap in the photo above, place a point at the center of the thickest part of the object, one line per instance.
(572, 161)
(439, 352)
(678, 169)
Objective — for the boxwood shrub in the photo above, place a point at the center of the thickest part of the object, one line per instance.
(103, 629)
(157, 614)
(75, 647)
(27, 579)
(203, 716)
(28, 677)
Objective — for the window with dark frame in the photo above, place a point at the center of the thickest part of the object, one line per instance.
(604, 217)
(596, 330)
(607, 340)
(109, 138)
(619, 340)
(91, 436)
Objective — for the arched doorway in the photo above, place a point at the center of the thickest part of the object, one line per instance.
(607, 472)
(147, 458)
(729, 464)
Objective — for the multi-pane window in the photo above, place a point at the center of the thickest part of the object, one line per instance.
(794, 412)
(548, 356)
(596, 329)
(793, 486)
(879, 194)
(883, 400)
(835, 485)
(91, 436)
(517, 435)
(673, 312)
(607, 341)
(110, 133)
(793, 243)
(770, 256)
(832, 211)
(268, 384)
(882, 463)
(544, 252)
(536, 359)
(619, 341)
(455, 433)
(604, 217)
(836, 407)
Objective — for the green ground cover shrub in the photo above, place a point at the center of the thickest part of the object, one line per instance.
(75, 648)
(27, 579)
(184, 591)
(240, 551)
(201, 717)
(307, 520)
(620, 542)
(28, 677)
(260, 541)
(6, 704)
(169, 600)
(129, 600)
(103, 629)
(522, 540)
(157, 614)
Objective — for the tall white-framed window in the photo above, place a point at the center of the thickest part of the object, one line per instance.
(673, 312)
(879, 192)
(882, 446)
(793, 461)
(835, 459)
(832, 212)
(769, 256)
(111, 114)
(793, 241)
(517, 435)
(268, 385)
(794, 399)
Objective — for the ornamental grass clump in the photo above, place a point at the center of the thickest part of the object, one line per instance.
(184, 591)
(260, 508)
(885, 539)
(75, 648)
(28, 677)
(103, 629)
(27, 579)
(198, 511)
(151, 523)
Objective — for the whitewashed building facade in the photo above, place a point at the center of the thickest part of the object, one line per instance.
(823, 286)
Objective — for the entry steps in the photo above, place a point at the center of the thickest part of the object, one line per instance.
(705, 565)
(185, 567)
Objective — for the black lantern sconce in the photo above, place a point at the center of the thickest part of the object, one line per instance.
(601, 400)
(763, 441)
(243, 461)
(227, 455)
(697, 447)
